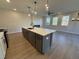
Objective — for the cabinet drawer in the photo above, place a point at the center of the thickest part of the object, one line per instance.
(32, 38)
(3, 43)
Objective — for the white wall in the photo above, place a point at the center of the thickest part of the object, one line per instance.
(14, 21)
(73, 26)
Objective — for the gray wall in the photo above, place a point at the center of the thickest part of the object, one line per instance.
(73, 26)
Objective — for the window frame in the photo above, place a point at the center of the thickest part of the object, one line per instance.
(57, 21)
(62, 20)
(49, 20)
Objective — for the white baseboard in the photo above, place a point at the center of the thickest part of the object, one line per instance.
(13, 32)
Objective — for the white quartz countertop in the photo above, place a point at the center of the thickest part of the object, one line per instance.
(41, 31)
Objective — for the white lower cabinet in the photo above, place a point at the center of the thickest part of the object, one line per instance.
(2, 46)
(1, 53)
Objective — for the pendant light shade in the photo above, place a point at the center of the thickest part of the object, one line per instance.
(29, 12)
(35, 9)
(46, 5)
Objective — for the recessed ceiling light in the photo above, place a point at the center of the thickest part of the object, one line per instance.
(14, 9)
(8, 1)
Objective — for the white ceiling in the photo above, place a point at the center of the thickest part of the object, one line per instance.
(55, 5)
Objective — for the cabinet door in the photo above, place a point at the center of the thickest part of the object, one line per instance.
(3, 46)
(3, 43)
(1, 53)
(25, 33)
(32, 38)
(39, 43)
(46, 43)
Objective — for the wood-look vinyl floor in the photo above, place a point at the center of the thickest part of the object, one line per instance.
(64, 46)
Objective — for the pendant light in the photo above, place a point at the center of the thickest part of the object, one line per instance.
(46, 5)
(29, 12)
(35, 9)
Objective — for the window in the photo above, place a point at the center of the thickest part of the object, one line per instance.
(65, 21)
(48, 21)
(55, 21)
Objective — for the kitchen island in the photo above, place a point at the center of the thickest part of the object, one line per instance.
(40, 38)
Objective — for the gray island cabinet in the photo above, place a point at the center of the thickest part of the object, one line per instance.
(39, 38)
